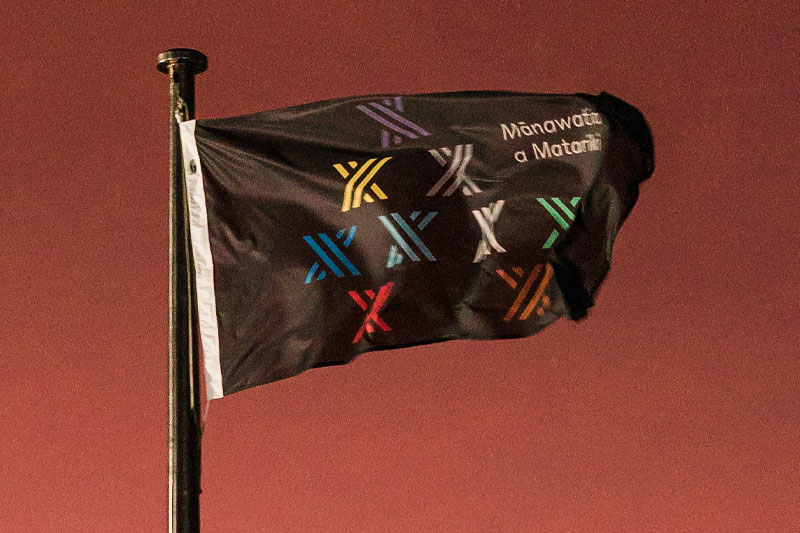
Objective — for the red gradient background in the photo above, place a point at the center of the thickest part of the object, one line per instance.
(674, 407)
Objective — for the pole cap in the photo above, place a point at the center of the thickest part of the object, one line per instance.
(197, 61)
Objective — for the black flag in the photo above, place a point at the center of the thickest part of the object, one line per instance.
(329, 229)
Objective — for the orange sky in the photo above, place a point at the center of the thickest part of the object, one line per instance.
(674, 407)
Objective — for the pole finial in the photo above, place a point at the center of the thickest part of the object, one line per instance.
(196, 60)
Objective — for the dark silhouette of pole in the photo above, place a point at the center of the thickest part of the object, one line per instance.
(181, 65)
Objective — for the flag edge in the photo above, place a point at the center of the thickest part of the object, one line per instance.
(203, 262)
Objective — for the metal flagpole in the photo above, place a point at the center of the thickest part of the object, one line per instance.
(181, 65)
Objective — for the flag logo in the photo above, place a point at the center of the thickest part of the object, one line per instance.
(456, 161)
(354, 190)
(371, 319)
(538, 301)
(486, 217)
(395, 257)
(396, 126)
(335, 251)
(569, 213)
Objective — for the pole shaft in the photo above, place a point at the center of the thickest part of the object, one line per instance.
(181, 65)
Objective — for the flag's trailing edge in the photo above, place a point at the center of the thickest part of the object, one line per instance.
(329, 229)
(203, 263)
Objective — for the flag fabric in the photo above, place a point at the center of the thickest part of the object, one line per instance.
(326, 230)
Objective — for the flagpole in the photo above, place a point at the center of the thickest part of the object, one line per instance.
(181, 65)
